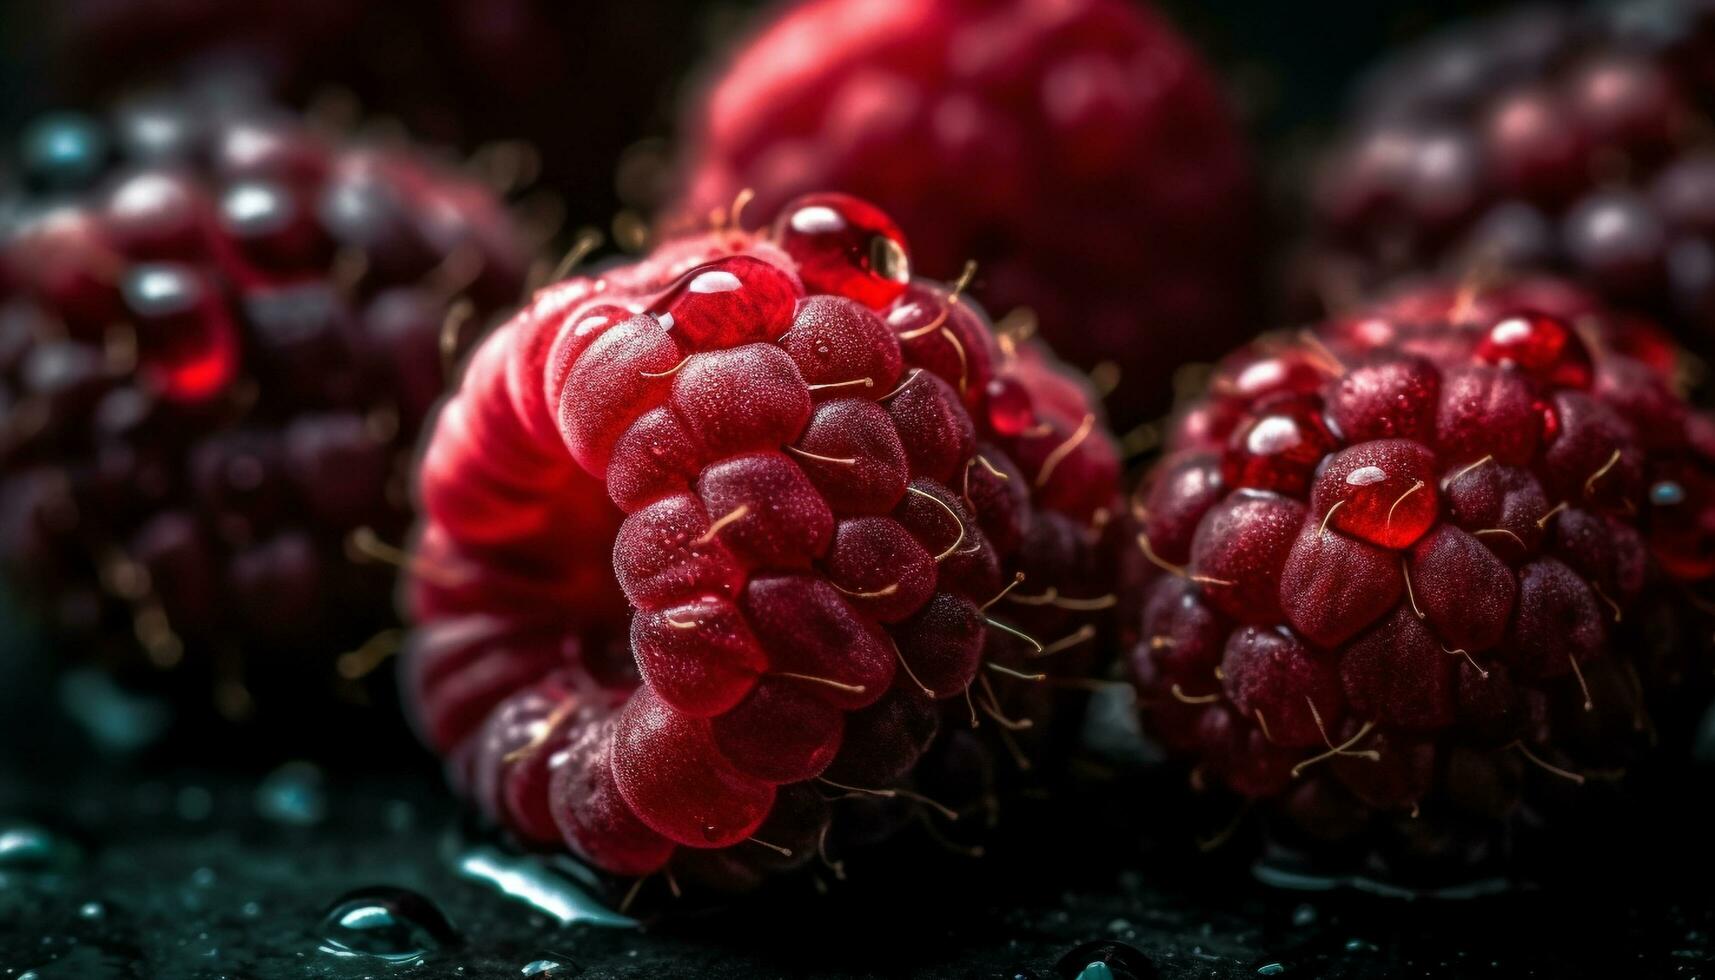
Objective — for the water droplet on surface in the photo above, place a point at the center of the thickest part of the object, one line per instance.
(1303, 915)
(1105, 959)
(203, 877)
(539, 968)
(392, 924)
(1359, 946)
(26, 847)
(92, 911)
(1270, 970)
(562, 891)
(293, 794)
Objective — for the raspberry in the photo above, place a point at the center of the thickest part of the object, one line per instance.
(222, 335)
(1450, 557)
(1542, 139)
(1079, 153)
(714, 541)
(467, 73)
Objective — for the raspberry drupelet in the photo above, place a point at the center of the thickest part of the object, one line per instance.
(1561, 139)
(1414, 564)
(1079, 151)
(220, 332)
(713, 542)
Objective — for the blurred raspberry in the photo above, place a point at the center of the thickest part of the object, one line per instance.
(497, 74)
(1543, 138)
(1079, 152)
(221, 332)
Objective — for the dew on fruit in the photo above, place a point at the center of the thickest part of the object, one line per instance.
(387, 923)
(293, 794)
(64, 151)
(845, 246)
(1666, 494)
(562, 891)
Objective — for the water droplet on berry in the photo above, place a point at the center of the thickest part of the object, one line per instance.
(845, 246)
(387, 923)
(736, 300)
(1277, 450)
(186, 341)
(1010, 411)
(1381, 491)
(1541, 346)
(64, 151)
(1666, 494)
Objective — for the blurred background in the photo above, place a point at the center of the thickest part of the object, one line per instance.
(597, 88)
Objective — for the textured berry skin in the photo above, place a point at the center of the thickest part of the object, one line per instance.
(1079, 152)
(1543, 139)
(1452, 609)
(222, 334)
(711, 549)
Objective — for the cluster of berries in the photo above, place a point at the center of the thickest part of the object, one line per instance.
(220, 333)
(749, 551)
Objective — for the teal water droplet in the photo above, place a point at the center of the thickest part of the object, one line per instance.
(293, 794)
(1303, 915)
(27, 847)
(1359, 946)
(537, 968)
(1096, 971)
(92, 911)
(1270, 970)
(551, 890)
(392, 924)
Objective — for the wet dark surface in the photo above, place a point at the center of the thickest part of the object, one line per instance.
(298, 873)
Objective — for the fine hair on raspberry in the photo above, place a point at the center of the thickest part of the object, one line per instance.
(727, 542)
(1413, 565)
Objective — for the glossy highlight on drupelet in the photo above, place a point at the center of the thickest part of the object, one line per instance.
(719, 544)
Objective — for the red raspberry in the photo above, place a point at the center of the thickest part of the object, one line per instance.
(1079, 152)
(1417, 561)
(219, 336)
(1543, 138)
(774, 455)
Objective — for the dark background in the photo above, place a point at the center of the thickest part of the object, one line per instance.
(208, 859)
